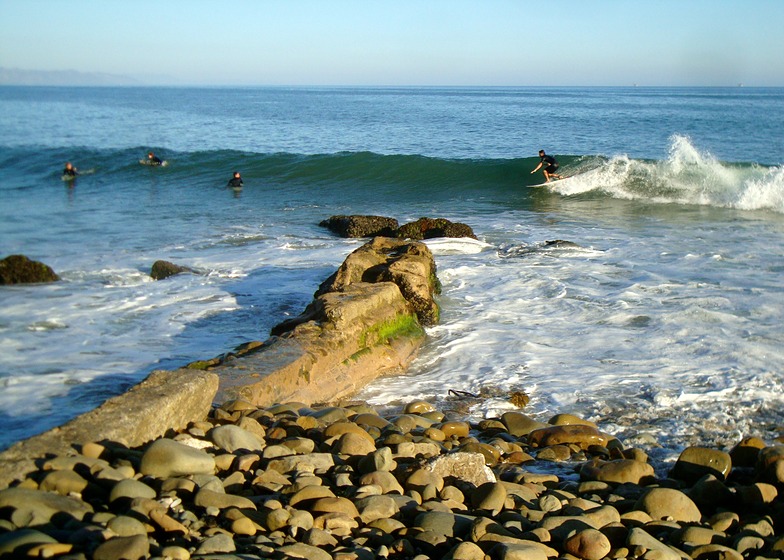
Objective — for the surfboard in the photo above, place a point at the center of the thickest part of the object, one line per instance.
(149, 163)
(550, 183)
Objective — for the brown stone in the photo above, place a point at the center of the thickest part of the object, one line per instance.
(63, 482)
(207, 498)
(311, 493)
(490, 496)
(715, 551)
(588, 544)
(167, 458)
(455, 429)
(125, 548)
(569, 420)
(519, 424)
(581, 435)
(745, 453)
(620, 471)
(385, 480)
(668, 503)
(354, 444)
(696, 462)
(335, 505)
(337, 429)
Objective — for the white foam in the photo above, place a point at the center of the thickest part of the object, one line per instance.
(687, 176)
(641, 333)
(444, 245)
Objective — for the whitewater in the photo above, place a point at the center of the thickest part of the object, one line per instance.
(643, 292)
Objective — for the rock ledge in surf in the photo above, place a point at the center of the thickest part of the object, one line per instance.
(365, 320)
(18, 269)
(431, 228)
(363, 324)
(361, 226)
(374, 226)
(164, 269)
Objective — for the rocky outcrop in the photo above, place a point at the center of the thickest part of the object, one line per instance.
(410, 266)
(365, 320)
(18, 269)
(373, 226)
(361, 226)
(165, 400)
(428, 228)
(165, 269)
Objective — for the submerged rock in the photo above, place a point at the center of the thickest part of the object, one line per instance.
(18, 269)
(361, 226)
(379, 226)
(164, 269)
(429, 228)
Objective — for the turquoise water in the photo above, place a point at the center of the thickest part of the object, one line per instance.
(665, 317)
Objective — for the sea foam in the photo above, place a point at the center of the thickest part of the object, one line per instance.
(687, 176)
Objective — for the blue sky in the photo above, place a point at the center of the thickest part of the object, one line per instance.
(402, 42)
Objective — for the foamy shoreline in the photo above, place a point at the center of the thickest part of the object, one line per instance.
(245, 479)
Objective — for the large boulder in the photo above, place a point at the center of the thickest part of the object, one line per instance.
(410, 266)
(18, 269)
(429, 228)
(361, 226)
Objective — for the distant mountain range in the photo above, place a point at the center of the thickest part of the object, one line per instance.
(19, 77)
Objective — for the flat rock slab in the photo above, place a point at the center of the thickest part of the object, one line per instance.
(165, 400)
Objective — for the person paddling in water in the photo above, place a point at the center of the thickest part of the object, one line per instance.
(70, 170)
(550, 170)
(152, 159)
(236, 181)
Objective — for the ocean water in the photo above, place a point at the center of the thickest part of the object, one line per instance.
(659, 317)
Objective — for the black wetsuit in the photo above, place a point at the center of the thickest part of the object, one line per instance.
(235, 183)
(154, 160)
(552, 165)
(70, 172)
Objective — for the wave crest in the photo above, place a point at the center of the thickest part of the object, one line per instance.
(687, 176)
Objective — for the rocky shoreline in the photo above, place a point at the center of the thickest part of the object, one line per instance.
(364, 321)
(160, 472)
(343, 482)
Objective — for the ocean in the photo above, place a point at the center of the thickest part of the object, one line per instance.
(660, 318)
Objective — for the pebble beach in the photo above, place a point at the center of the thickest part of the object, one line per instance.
(345, 482)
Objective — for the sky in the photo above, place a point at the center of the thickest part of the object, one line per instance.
(402, 42)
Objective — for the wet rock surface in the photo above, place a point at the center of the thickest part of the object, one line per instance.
(372, 226)
(361, 226)
(164, 269)
(18, 269)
